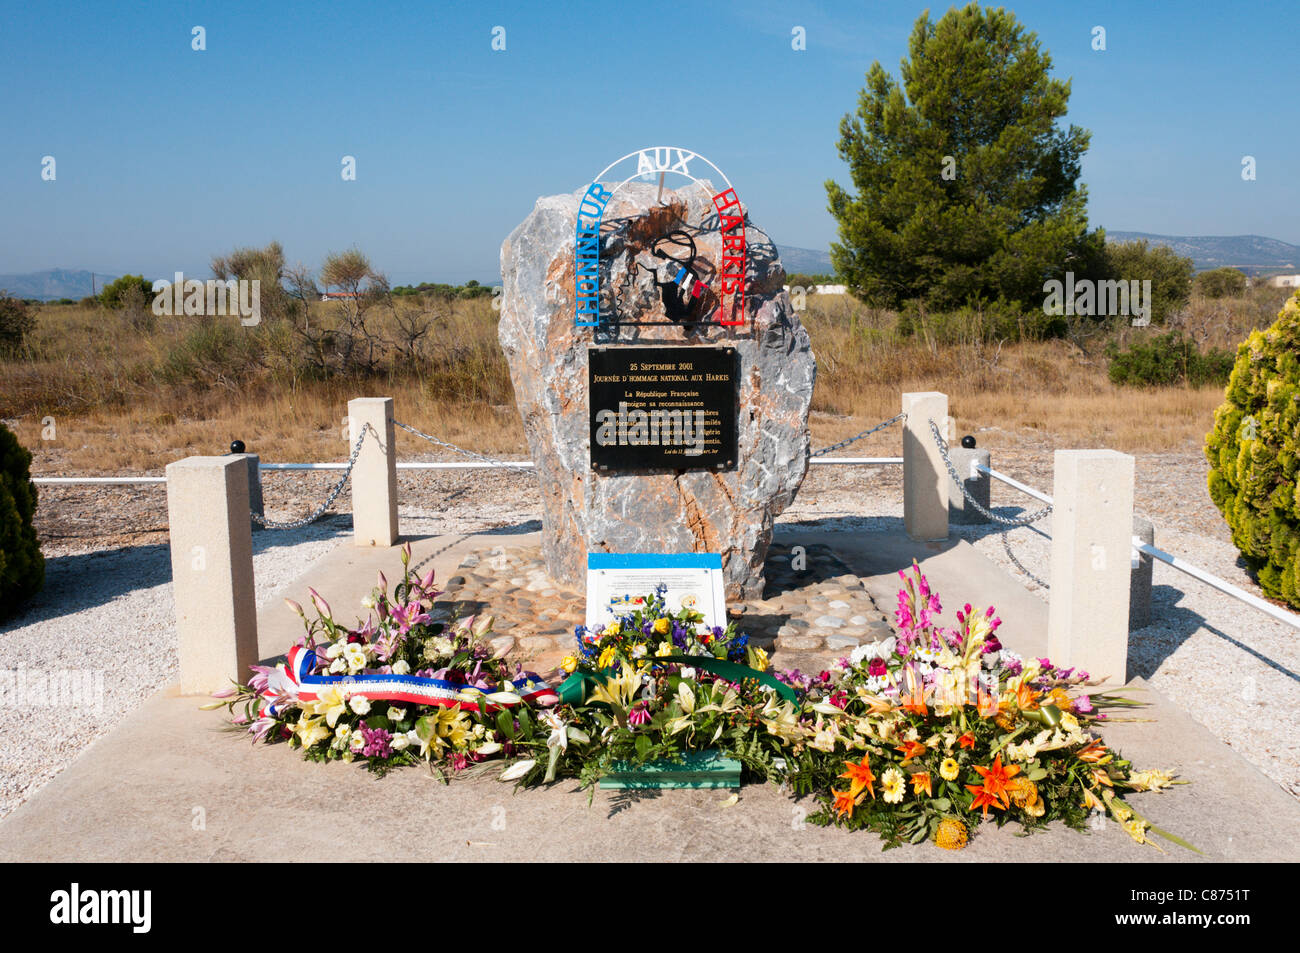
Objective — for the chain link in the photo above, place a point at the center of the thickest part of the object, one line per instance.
(500, 464)
(1006, 545)
(1033, 517)
(866, 433)
(329, 499)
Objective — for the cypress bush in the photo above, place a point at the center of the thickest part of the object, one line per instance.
(22, 567)
(1253, 452)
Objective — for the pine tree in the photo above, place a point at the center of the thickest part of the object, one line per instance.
(966, 187)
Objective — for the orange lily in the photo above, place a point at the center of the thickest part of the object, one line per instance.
(910, 750)
(1026, 698)
(984, 798)
(915, 702)
(988, 704)
(996, 778)
(1101, 777)
(860, 778)
(1094, 753)
(843, 803)
(921, 782)
(967, 740)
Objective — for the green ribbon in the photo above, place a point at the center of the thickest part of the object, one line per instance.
(574, 688)
(1048, 715)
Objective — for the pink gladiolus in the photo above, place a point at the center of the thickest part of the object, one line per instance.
(1083, 705)
(383, 582)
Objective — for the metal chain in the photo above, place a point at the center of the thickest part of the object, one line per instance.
(333, 494)
(1006, 545)
(501, 464)
(866, 433)
(1033, 517)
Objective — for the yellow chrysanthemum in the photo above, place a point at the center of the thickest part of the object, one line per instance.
(1023, 793)
(1004, 721)
(951, 834)
(893, 786)
(949, 769)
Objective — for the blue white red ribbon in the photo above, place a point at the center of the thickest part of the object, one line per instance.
(293, 681)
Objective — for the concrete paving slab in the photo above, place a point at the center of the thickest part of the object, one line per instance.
(171, 784)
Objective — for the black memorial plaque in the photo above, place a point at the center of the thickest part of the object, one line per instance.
(663, 408)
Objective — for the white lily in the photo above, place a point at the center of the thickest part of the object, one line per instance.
(518, 770)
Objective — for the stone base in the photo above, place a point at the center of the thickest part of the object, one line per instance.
(806, 618)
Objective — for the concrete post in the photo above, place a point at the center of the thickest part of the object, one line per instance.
(977, 485)
(374, 478)
(1092, 535)
(212, 571)
(255, 505)
(1140, 567)
(925, 480)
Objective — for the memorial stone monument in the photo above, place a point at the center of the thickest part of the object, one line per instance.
(661, 373)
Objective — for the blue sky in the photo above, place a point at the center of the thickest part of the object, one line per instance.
(166, 155)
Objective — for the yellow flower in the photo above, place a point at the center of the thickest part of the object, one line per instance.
(893, 786)
(665, 648)
(569, 663)
(1136, 829)
(455, 726)
(661, 625)
(949, 769)
(1024, 793)
(613, 628)
(951, 834)
(310, 730)
(607, 657)
(1037, 809)
(1152, 780)
(758, 659)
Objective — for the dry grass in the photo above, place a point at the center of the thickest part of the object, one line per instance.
(129, 397)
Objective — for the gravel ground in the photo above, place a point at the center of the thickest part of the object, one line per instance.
(107, 605)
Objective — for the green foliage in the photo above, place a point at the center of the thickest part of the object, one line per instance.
(1254, 455)
(1170, 274)
(16, 322)
(115, 293)
(471, 289)
(1221, 283)
(22, 567)
(264, 265)
(1166, 359)
(966, 186)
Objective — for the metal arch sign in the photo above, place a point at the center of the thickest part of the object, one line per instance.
(726, 284)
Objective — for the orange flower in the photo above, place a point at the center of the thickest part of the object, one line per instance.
(967, 740)
(1094, 753)
(996, 778)
(1101, 777)
(1061, 699)
(910, 750)
(984, 798)
(915, 701)
(843, 803)
(921, 782)
(859, 777)
(1026, 698)
(988, 704)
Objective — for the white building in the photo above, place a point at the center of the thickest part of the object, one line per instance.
(1284, 281)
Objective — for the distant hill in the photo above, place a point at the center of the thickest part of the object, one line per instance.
(805, 261)
(1253, 254)
(54, 284)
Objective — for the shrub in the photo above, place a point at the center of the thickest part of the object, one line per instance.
(16, 322)
(1221, 283)
(112, 294)
(1165, 359)
(1170, 274)
(1254, 451)
(22, 567)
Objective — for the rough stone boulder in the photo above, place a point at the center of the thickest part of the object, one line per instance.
(728, 512)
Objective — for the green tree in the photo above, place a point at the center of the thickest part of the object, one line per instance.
(1221, 283)
(966, 187)
(16, 322)
(1254, 455)
(22, 567)
(128, 288)
(1170, 273)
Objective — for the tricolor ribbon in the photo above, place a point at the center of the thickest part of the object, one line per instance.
(293, 681)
